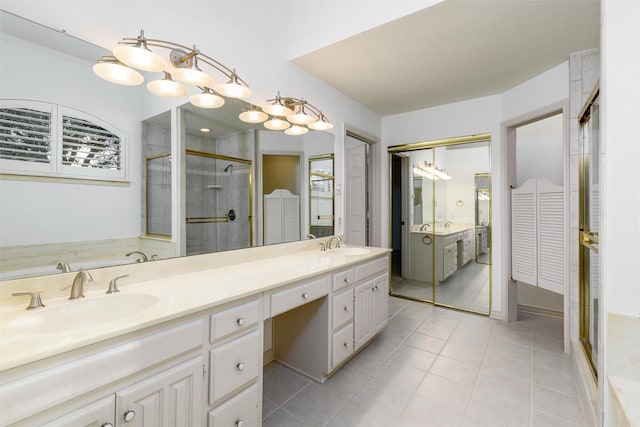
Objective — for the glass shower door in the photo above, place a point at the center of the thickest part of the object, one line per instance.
(589, 268)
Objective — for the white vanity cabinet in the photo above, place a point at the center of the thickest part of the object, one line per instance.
(360, 307)
(151, 377)
(169, 398)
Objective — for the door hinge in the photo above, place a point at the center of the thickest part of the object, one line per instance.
(204, 371)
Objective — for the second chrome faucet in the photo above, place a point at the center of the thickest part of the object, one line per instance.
(77, 290)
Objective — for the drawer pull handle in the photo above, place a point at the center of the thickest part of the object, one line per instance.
(346, 308)
(305, 296)
(240, 321)
(346, 280)
(239, 423)
(129, 416)
(240, 366)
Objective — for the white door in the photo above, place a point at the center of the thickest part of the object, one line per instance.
(355, 225)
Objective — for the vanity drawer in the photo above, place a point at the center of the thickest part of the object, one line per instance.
(342, 308)
(240, 410)
(372, 267)
(299, 295)
(342, 345)
(234, 364)
(343, 278)
(234, 319)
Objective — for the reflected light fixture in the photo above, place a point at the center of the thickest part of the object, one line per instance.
(285, 111)
(207, 99)
(431, 171)
(277, 123)
(181, 66)
(167, 87)
(297, 130)
(253, 114)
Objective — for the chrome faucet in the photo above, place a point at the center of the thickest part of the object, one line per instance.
(77, 290)
(310, 236)
(338, 239)
(447, 224)
(143, 257)
(64, 266)
(425, 226)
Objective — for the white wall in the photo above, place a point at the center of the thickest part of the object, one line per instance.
(38, 212)
(540, 150)
(475, 116)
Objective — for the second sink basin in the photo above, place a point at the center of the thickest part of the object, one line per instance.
(349, 251)
(79, 314)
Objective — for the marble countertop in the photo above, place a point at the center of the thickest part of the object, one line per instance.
(177, 295)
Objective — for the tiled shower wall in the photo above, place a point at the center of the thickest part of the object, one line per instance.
(584, 74)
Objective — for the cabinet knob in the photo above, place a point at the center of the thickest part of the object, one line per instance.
(240, 366)
(305, 295)
(346, 280)
(346, 345)
(107, 425)
(346, 308)
(240, 321)
(129, 416)
(239, 423)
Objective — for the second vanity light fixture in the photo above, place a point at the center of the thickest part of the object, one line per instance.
(292, 115)
(182, 66)
(431, 171)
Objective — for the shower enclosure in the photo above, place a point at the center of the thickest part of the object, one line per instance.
(218, 202)
(158, 195)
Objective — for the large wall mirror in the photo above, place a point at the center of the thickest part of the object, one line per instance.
(440, 222)
(184, 190)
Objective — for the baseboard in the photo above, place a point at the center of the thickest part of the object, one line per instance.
(267, 357)
(540, 311)
(496, 315)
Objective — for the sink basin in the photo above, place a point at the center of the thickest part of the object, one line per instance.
(79, 314)
(349, 251)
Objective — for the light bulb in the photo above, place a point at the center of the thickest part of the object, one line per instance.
(116, 72)
(140, 57)
(296, 130)
(167, 87)
(277, 123)
(233, 88)
(253, 115)
(320, 125)
(192, 76)
(207, 99)
(300, 117)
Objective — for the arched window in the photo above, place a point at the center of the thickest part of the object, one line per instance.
(44, 139)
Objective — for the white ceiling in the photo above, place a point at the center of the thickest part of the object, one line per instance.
(455, 50)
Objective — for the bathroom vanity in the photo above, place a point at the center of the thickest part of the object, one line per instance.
(187, 348)
(454, 248)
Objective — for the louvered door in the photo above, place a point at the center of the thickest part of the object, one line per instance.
(538, 243)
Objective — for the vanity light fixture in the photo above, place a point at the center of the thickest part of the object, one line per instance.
(429, 170)
(182, 66)
(285, 112)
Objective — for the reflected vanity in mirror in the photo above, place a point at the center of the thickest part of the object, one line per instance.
(441, 222)
(180, 187)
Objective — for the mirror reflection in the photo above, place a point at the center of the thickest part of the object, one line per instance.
(180, 187)
(442, 194)
(321, 195)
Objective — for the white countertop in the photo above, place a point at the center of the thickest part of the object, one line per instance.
(178, 295)
(441, 231)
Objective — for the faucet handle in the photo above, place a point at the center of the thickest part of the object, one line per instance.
(36, 301)
(323, 246)
(113, 285)
(63, 266)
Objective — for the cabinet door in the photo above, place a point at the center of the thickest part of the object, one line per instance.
(96, 414)
(363, 319)
(380, 307)
(170, 398)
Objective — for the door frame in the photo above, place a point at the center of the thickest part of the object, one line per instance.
(507, 181)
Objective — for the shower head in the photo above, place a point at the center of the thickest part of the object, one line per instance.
(228, 168)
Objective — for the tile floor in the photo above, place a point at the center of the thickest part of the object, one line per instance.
(467, 288)
(434, 366)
